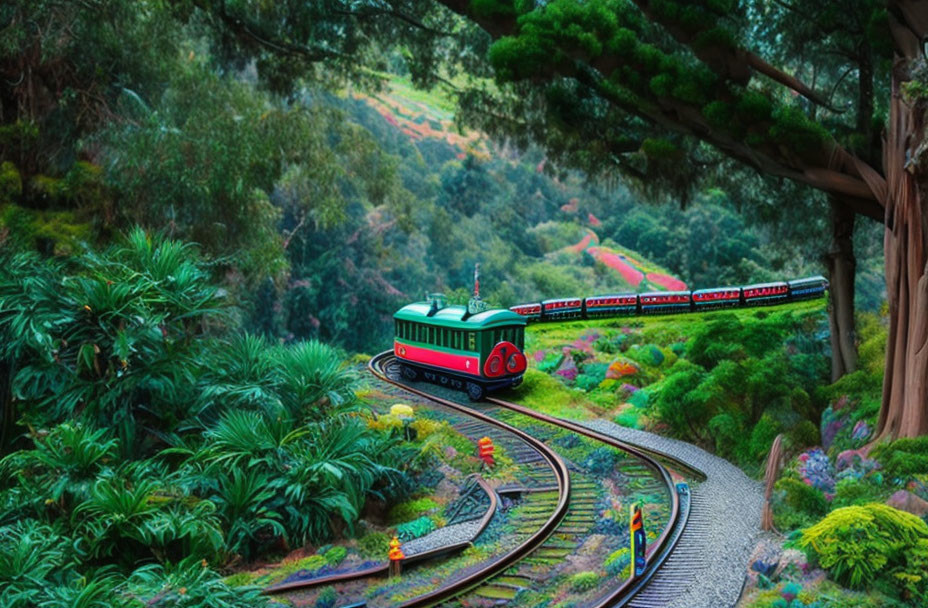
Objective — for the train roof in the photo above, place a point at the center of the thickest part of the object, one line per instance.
(761, 285)
(614, 295)
(455, 316)
(816, 279)
(664, 293)
(714, 289)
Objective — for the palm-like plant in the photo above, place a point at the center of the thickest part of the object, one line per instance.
(243, 502)
(115, 341)
(243, 439)
(115, 513)
(313, 382)
(63, 464)
(238, 375)
(189, 583)
(82, 593)
(333, 472)
(30, 553)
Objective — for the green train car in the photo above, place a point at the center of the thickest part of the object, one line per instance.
(477, 350)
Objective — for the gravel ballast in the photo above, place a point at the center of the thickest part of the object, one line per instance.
(442, 537)
(707, 567)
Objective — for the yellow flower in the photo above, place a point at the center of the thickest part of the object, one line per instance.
(401, 410)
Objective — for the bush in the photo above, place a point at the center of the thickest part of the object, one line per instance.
(803, 497)
(375, 544)
(600, 462)
(618, 561)
(803, 435)
(858, 544)
(851, 491)
(410, 509)
(415, 528)
(584, 581)
(335, 555)
(326, 599)
(903, 457)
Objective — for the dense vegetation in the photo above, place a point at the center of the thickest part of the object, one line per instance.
(163, 444)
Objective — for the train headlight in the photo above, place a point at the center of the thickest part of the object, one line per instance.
(494, 365)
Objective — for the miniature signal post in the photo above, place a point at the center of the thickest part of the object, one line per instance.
(396, 556)
(485, 450)
(638, 540)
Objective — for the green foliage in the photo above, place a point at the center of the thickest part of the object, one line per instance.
(851, 492)
(617, 561)
(415, 528)
(410, 509)
(745, 378)
(375, 544)
(11, 183)
(904, 457)
(335, 555)
(858, 544)
(802, 497)
(584, 581)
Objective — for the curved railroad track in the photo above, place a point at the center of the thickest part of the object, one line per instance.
(386, 368)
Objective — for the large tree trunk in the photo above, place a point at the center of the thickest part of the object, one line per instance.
(905, 385)
(842, 267)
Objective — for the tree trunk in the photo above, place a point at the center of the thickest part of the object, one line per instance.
(772, 470)
(842, 267)
(904, 410)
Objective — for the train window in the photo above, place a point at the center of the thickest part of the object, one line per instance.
(471, 341)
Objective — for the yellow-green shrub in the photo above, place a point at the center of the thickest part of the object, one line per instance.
(860, 543)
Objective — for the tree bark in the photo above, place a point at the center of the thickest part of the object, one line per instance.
(904, 410)
(842, 268)
(772, 470)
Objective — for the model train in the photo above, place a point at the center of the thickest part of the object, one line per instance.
(477, 349)
(470, 348)
(667, 302)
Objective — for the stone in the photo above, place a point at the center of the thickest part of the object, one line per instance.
(908, 502)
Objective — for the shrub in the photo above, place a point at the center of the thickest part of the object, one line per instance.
(600, 462)
(415, 528)
(851, 491)
(425, 427)
(914, 576)
(804, 435)
(584, 581)
(903, 457)
(410, 510)
(803, 497)
(375, 544)
(857, 544)
(326, 598)
(618, 561)
(335, 555)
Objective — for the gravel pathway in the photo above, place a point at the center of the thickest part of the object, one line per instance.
(707, 568)
(448, 535)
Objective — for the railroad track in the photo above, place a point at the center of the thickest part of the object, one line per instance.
(523, 567)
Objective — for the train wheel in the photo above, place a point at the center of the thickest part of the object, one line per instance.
(410, 374)
(475, 391)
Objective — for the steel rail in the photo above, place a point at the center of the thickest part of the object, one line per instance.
(556, 463)
(384, 569)
(657, 553)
